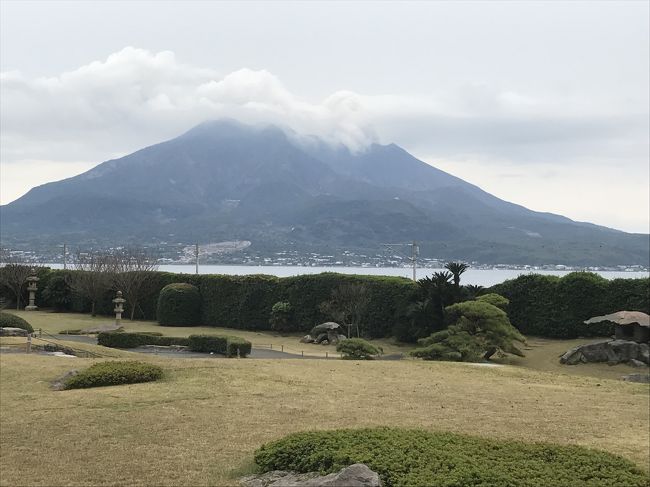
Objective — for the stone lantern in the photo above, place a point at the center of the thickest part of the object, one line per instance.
(32, 287)
(119, 307)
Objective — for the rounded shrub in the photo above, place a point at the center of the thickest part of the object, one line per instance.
(357, 349)
(417, 458)
(113, 374)
(7, 320)
(179, 304)
(495, 300)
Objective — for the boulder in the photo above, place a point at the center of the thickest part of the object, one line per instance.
(324, 328)
(320, 338)
(9, 331)
(306, 339)
(644, 353)
(572, 357)
(595, 352)
(59, 383)
(357, 475)
(624, 349)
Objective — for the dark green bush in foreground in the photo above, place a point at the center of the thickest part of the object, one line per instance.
(236, 346)
(7, 320)
(179, 304)
(357, 349)
(416, 458)
(113, 374)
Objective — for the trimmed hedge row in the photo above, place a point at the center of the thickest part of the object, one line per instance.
(418, 458)
(556, 307)
(179, 304)
(230, 346)
(113, 374)
(134, 340)
(539, 305)
(7, 320)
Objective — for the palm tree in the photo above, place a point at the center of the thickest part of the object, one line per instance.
(456, 268)
(473, 291)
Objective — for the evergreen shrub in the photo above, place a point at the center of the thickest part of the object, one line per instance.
(179, 304)
(357, 349)
(114, 373)
(7, 320)
(418, 458)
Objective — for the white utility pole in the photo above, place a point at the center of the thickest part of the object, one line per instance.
(196, 257)
(413, 257)
(65, 256)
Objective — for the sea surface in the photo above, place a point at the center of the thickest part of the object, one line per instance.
(481, 277)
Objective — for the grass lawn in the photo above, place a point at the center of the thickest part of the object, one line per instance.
(201, 424)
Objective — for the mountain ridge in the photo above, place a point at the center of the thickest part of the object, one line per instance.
(223, 180)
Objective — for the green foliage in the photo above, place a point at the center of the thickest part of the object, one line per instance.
(357, 349)
(225, 345)
(113, 374)
(179, 304)
(208, 343)
(57, 292)
(133, 340)
(495, 300)
(556, 307)
(280, 316)
(477, 330)
(7, 320)
(418, 458)
(238, 347)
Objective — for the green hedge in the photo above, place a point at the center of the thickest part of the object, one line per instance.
(114, 373)
(179, 304)
(556, 307)
(417, 458)
(7, 320)
(133, 340)
(225, 345)
(238, 347)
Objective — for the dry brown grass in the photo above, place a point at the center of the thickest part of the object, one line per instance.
(201, 424)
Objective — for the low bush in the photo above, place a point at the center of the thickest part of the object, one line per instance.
(417, 458)
(7, 320)
(238, 347)
(179, 304)
(230, 346)
(208, 343)
(357, 349)
(133, 340)
(113, 374)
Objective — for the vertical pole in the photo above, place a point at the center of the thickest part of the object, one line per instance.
(196, 254)
(414, 258)
(65, 256)
(29, 343)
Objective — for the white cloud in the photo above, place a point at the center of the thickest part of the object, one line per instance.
(136, 98)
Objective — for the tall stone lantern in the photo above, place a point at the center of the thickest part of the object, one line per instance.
(32, 287)
(119, 307)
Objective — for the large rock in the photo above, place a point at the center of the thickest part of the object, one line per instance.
(357, 475)
(9, 331)
(624, 349)
(324, 328)
(306, 339)
(613, 352)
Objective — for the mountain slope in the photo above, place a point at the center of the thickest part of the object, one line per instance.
(223, 181)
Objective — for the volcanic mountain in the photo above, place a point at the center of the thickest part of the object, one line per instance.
(224, 181)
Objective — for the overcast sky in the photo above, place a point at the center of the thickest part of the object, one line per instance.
(543, 104)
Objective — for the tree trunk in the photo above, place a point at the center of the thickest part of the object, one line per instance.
(132, 311)
(92, 309)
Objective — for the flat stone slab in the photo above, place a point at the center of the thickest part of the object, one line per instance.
(9, 331)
